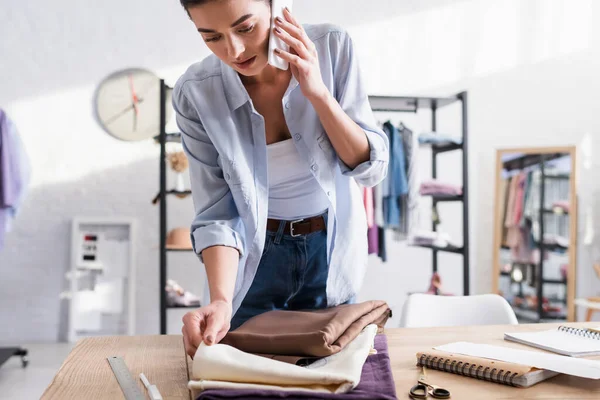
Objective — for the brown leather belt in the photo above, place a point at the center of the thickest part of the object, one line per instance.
(299, 227)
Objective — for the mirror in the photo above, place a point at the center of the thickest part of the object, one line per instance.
(535, 232)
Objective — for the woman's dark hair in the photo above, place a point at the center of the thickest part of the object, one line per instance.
(190, 3)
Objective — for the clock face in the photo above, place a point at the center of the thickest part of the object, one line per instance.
(127, 104)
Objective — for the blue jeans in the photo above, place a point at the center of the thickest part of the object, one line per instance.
(292, 275)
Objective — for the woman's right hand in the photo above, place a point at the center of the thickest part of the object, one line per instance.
(208, 324)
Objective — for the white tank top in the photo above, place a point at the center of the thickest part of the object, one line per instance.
(294, 193)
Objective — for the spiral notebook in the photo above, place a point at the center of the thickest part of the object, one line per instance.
(484, 369)
(574, 342)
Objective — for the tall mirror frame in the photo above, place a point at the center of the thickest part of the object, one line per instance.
(514, 275)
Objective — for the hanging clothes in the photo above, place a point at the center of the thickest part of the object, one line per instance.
(382, 245)
(378, 205)
(372, 231)
(504, 190)
(369, 206)
(373, 239)
(14, 174)
(376, 233)
(519, 229)
(511, 238)
(523, 211)
(409, 203)
(396, 184)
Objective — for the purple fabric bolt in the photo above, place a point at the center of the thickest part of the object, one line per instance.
(376, 383)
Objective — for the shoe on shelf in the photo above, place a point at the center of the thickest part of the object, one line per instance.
(178, 297)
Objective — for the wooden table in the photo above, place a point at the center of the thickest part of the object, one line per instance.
(405, 343)
(86, 373)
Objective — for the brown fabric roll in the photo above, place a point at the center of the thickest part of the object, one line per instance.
(291, 336)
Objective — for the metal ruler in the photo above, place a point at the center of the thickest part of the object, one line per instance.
(126, 381)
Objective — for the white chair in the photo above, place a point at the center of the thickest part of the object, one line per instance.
(426, 310)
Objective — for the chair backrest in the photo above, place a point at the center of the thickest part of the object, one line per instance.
(426, 310)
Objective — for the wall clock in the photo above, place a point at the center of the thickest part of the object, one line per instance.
(127, 104)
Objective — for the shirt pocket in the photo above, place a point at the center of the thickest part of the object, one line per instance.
(239, 181)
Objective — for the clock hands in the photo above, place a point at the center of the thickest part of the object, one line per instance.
(134, 106)
(134, 101)
(125, 110)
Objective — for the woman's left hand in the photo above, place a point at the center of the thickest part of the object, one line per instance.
(303, 58)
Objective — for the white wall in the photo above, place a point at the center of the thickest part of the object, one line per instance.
(530, 69)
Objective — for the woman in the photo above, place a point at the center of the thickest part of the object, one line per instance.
(275, 161)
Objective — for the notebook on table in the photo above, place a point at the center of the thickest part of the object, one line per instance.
(505, 373)
(574, 342)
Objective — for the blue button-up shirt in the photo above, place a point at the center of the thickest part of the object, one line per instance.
(224, 139)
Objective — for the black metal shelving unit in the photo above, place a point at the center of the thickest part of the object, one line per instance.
(164, 193)
(539, 313)
(414, 104)
(378, 103)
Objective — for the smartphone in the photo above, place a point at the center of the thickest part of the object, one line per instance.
(277, 7)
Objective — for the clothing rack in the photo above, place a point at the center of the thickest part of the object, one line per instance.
(414, 105)
(525, 312)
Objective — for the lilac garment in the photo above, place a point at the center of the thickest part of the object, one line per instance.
(373, 237)
(440, 192)
(376, 383)
(441, 188)
(14, 173)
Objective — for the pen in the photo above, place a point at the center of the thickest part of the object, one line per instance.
(152, 389)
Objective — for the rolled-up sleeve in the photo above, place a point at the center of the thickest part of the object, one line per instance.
(352, 97)
(216, 221)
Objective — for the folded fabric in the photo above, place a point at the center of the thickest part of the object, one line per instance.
(292, 336)
(430, 238)
(557, 240)
(436, 187)
(376, 383)
(223, 367)
(561, 205)
(440, 192)
(438, 138)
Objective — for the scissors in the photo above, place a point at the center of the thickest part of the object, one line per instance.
(422, 389)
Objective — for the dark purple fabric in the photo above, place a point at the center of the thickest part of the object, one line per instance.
(376, 383)
(373, 239)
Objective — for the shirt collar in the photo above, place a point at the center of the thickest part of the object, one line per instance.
(235, 92)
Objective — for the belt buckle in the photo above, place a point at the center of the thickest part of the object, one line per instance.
(292, 234)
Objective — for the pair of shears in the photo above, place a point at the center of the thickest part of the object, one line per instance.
(423, 388)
